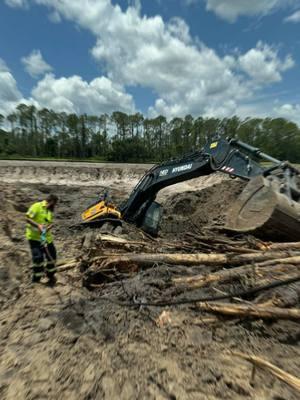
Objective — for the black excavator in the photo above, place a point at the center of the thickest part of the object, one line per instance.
(269, 205)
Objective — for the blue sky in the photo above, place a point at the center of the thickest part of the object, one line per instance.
(172, 57)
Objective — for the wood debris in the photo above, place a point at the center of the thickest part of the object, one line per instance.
(289, 379)
(209, 262)
(257, 311)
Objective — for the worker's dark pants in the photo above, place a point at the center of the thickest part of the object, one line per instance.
(40, 253)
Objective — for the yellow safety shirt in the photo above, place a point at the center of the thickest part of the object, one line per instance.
(39, 213)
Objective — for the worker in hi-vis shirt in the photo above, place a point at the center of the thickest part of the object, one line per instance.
(39, 220)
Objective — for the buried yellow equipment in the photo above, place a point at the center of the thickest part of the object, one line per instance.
(269, 204)
(101, 211)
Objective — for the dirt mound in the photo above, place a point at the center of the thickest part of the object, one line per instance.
(201, 209)
(71, 343)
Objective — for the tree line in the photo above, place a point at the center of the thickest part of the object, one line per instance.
(31, 132)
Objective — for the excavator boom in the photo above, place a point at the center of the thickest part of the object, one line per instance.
(270, 200)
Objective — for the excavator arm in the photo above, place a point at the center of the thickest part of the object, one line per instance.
(217, 155)
(229, 156)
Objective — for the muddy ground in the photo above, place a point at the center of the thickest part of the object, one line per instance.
(68, 343)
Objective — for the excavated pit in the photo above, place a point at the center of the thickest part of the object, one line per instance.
(204, 209)
(68, 343)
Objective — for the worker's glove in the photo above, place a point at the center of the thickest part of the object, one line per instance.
(41, 227)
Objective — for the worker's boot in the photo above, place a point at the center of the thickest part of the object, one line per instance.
(35, 279)
(51, 280)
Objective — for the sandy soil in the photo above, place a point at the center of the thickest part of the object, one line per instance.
(68, 343)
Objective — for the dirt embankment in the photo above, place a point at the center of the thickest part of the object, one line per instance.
(68, 173)
(110, 175)
(68, 343)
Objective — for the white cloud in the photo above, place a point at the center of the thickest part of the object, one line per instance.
(186, 75)
(289, 111)
(74, 95)
(9, 93)
(186, 78)
(54, 17)
(295, 17)
(230, 10)
(35, 65)
(17, 3)
(263, 65)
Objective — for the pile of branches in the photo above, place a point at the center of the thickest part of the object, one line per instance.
(251, 265)
(265, 278)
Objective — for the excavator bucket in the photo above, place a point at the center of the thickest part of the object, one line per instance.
(263, 211)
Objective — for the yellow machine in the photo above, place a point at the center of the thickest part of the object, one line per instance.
(101, 211)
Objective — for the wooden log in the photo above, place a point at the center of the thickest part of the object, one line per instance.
(66, 261)
(285, 296)
(65, 265)
(293, 259)
(285, 377)
(241, 310)
(148, 246)
(198, 281)
(214, 240)
(283, 246)
(235, 249)
(119, 241)
(148, 259)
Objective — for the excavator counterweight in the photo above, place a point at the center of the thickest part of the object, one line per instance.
(269, 204)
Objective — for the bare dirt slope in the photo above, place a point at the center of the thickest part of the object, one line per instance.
(70, 343)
